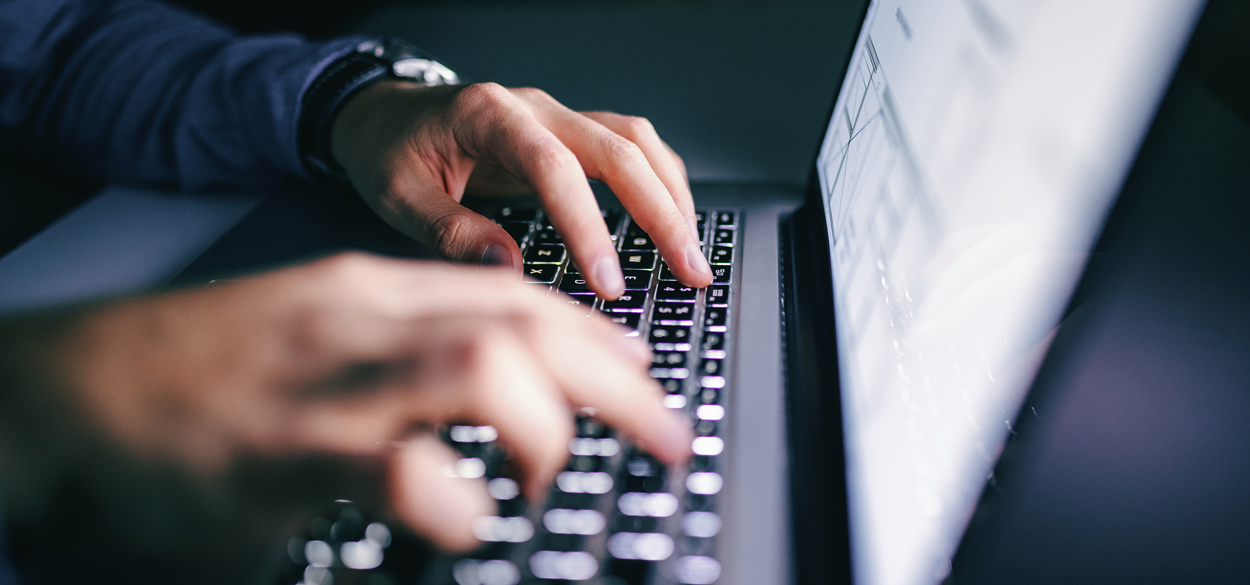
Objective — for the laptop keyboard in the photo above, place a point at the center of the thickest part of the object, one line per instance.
(615, 516)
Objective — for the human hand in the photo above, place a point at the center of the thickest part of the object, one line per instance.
(267, 397)
(412, 152)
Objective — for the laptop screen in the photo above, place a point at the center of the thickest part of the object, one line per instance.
(973, 154)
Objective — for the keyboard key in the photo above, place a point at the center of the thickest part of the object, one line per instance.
(629, 320)
(638, 260)
(705, 428)
(636, 279)
(712, 368)
(592, 428)
(525, 214)
(637, 241)
(707, 445)
(670, 373)
(630, 302)
(720, 274)
(704, 482)
(700, 524)
(697, 570)
(710, 412)
(665, 273)
(584, 301)
(725, 220)
(672, 386)
(574, 284)
(668, 359)
(545, 273)
(723, 238)
(497, 529)
(572, 566)
(673, 314)
(655, 505)
(548, 236)
(517, 229)
(675, 401)
(640, 546)
(545, 254)
(715, 319)
(721, 255)
(713, 340)
(566, 521)
(670, 335)
(666, 346)
(718, 296)
(716, 382)
(708, 396)
(580, 482)
(676, 292)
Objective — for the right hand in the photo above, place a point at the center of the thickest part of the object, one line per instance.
(413, 151)
(353, 359)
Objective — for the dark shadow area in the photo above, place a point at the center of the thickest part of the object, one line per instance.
(31, 199)
(1219, 56)
(1128, 463)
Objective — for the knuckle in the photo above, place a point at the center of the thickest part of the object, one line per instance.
(637, 126)
(549, 155)
(448, 233)
(485, 95)
(532, 94)
(346, 267)
(623, 151)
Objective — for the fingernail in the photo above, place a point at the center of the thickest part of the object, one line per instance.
(696, 261)
(496, 255)
(608, 274)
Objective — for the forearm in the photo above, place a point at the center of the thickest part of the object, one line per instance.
(137, 92)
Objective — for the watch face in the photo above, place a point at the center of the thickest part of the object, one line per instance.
(424, 71)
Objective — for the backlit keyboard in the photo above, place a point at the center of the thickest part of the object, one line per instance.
(615, 515)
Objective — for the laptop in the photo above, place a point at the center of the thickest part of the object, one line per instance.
(860, 362)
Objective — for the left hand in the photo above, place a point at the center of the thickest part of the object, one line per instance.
(412, 152)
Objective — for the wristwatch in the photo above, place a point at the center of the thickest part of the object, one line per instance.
(372, 61)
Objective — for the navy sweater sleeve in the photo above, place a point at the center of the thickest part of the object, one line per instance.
(131, 91)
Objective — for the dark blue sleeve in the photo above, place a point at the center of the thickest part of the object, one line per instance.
(129, 91)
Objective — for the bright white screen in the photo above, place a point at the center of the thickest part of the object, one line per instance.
(975, 149)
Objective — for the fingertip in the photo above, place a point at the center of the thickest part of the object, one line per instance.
(608, 279)
(672, 439)
(698, 266)
(436, 503)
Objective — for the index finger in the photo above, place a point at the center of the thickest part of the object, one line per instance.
(510, 134)
(629, 172)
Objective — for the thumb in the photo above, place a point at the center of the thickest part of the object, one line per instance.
(460, 234)
(440, 507)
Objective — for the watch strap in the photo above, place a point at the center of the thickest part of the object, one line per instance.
(322, 101)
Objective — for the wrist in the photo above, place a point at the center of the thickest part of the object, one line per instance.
(340, 82)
